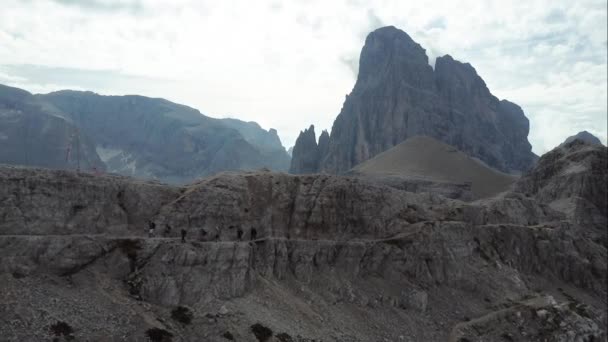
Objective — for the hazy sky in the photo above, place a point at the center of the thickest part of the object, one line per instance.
(287, 64)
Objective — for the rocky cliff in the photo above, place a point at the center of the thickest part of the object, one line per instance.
(130, 135)
(572, 178)
(398, 95)
(277, 257)
(36, 133)
(308, 151)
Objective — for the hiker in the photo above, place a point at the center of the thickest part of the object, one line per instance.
(167, 229)
(217, 233)
(239, 233)
(151, 227)
(183, 231)
(254, 234)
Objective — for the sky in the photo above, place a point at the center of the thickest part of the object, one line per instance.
(289, 64)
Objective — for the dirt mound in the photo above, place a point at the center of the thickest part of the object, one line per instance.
(423, 157)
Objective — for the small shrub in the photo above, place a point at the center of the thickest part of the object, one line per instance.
(62, 329)
(261, 332)
(130, 248)
(159, 335)
(227, 335)
(182, 314)
(284, 337)
(77, 207)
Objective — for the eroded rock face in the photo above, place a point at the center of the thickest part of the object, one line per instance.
(572, 178)
(36, 202)
(322, 257)
(398, 95)
(307, 150)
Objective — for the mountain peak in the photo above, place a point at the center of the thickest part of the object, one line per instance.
(390, 52)
(398, 95)
(584, 136)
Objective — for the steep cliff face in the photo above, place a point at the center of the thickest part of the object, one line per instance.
(36, 133)
(321, 257)
(307, 150)
(398, 95)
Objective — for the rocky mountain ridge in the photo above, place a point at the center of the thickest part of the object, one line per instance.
(398, 95)
(277, 257)
(585, 136)
(130, 135)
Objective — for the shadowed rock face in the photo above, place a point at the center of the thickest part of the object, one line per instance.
(130, 135)
(572, 178)
(309, 151)
(36, 133)
(398, 95)
(325, 257)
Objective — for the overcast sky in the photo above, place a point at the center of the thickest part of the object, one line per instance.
(289, 64)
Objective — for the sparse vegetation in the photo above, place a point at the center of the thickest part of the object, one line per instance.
(228, 335)
(76, 208)
(284, 337)
(182, 314)
(62, 329)
(159, 335)
(261, 332)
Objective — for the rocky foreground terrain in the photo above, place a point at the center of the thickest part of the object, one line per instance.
(277, 257)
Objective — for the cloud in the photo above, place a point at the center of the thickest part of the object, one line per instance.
(133, 6)
(352, 63)
(436, 23)
(374, 20)
(287, 64)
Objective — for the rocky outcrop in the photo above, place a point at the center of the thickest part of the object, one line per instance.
(129, 135)
(584, 136)
(398, 95)
(572, 178)
(322, 257)
(307, 150)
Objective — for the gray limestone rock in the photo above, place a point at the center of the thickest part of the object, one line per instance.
(323, 257)
(398, 95)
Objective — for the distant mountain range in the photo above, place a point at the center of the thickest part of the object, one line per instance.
(399, 95)
(130, 135)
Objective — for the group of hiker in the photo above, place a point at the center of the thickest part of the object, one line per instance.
(203, 232)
